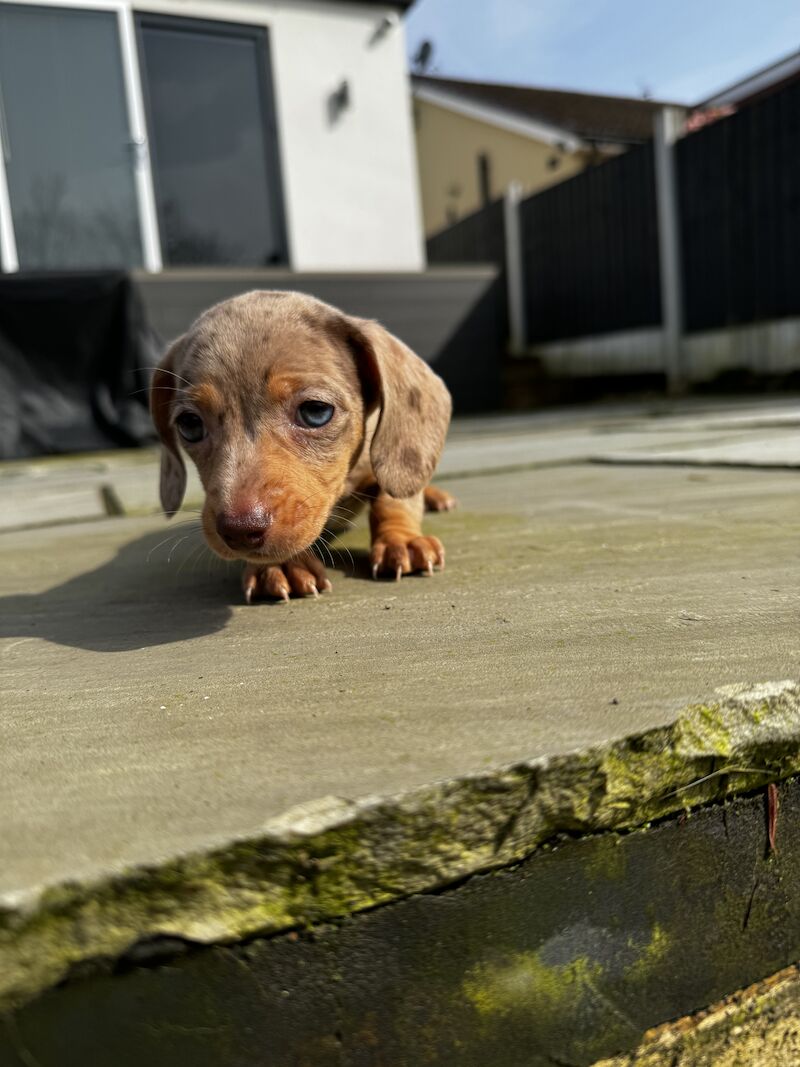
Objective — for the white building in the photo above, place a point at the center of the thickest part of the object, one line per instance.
(166, 133)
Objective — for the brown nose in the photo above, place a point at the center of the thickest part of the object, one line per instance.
(242, 530)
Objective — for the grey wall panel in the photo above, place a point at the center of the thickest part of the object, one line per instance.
(453, 318)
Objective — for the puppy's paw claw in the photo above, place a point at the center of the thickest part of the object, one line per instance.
(398, 557)
(300, 577)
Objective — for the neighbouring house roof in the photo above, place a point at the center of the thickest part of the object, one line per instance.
(583, 117)
(760, 83)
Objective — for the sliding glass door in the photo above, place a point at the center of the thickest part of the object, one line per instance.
(213, 144)
(130, 141)
(66, 140)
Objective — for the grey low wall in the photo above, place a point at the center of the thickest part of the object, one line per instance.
(453, 317)
(762, 348)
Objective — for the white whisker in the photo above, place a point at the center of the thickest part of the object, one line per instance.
(169, 557)
(320, 543)
(164, 370)
(170, 537)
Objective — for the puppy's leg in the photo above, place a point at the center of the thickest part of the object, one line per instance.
(398, 544)
(437, 499)
(302, 576)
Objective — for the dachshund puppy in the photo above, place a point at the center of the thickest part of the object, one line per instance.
(294, 414)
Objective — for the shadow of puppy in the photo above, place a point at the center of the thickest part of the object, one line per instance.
(157, 590)
(148, 594)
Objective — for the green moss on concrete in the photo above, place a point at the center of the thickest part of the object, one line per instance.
(526, 984)
(650, 957)
(334, 857)
(608, 862)
(527, 993)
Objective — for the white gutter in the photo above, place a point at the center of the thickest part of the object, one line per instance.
(763, 79)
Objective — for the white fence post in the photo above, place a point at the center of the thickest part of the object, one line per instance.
(515, 272)
(667, 128)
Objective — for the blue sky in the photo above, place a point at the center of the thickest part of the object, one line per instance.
(678, 50)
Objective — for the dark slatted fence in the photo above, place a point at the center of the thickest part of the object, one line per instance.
(739, 182)
(591, 251)
(590, 244)
(477, 238)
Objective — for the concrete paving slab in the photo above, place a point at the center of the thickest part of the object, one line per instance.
(756, 447)
(53, 490)
(65, 489)
(175, 762)
(763, 449)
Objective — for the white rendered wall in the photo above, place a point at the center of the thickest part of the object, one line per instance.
(350, 187)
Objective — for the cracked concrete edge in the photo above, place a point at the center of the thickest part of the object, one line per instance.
(755, 1027)
(334, 857)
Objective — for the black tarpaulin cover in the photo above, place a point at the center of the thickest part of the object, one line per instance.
(75, 354)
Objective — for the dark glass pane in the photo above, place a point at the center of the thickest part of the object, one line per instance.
(216, 194)
(69, 161)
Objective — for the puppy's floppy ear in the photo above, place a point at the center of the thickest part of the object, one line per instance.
(162, 391)
(415, 409)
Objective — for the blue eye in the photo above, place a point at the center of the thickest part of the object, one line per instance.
(190, 427)
(314, 413)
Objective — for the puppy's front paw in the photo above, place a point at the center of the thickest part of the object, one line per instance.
(437, 499)
(396, 556)
(304, 576)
